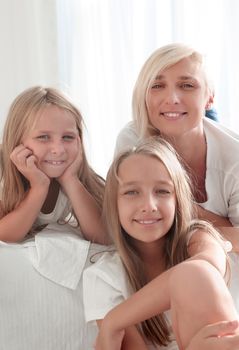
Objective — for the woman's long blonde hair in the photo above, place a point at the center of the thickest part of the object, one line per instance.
(22, 116)
(161, 59)
(155, 329)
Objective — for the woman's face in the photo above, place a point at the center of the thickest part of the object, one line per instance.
(177, 99)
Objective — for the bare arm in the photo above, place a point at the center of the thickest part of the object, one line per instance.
(85, 206)
(223, 224)
(127, 340)
(15, 225)
(152, 298)
(203, 301)
(206, 298)
(215, 219)
(204, 246)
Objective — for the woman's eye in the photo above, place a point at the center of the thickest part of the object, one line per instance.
(68, 137)
(187, 86)
(157, 86)
(162, 191)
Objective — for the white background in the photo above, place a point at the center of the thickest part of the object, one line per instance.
(94, 49)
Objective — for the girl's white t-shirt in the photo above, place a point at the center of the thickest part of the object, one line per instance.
(61, 210)
(105, 285)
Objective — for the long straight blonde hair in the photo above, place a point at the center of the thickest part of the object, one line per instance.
(22, 116)
(155, 329)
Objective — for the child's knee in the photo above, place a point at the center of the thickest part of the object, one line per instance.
(199, 296)
(197, 283)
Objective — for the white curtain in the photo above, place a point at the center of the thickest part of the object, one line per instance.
(28, 42)
(105, 42)
(94, 50)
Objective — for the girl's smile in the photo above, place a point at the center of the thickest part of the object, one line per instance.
(147, 222)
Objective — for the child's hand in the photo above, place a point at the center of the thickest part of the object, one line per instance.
(73, 169)
(108, 337)
(105, 341)
(25, 161)
(219, 336)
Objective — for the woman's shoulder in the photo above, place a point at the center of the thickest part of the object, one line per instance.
(222, 147)
(220, 133)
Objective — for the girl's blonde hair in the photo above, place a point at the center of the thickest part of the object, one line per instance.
(156, 328)
(161, 59)
(22, 116)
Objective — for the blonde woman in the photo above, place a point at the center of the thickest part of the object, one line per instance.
(148, 209)
(45, 175)
(171, 94)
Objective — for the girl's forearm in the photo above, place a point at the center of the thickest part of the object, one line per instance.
(215, 219)
(15, 225)
(119, 340)
(149, 301)
(166, 291)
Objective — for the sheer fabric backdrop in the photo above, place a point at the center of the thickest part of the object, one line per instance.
(103, 45)
(94, 49)
(28, 41)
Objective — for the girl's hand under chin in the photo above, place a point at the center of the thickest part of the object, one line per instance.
(72, 172)
(26, 162)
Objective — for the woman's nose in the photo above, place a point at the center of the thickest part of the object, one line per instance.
(172, 97)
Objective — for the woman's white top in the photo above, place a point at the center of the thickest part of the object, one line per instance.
(222, 167)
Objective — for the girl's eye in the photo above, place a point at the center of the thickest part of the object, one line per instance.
(43, 137)
(131, 193)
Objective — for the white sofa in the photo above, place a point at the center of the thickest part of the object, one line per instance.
(39, 308)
